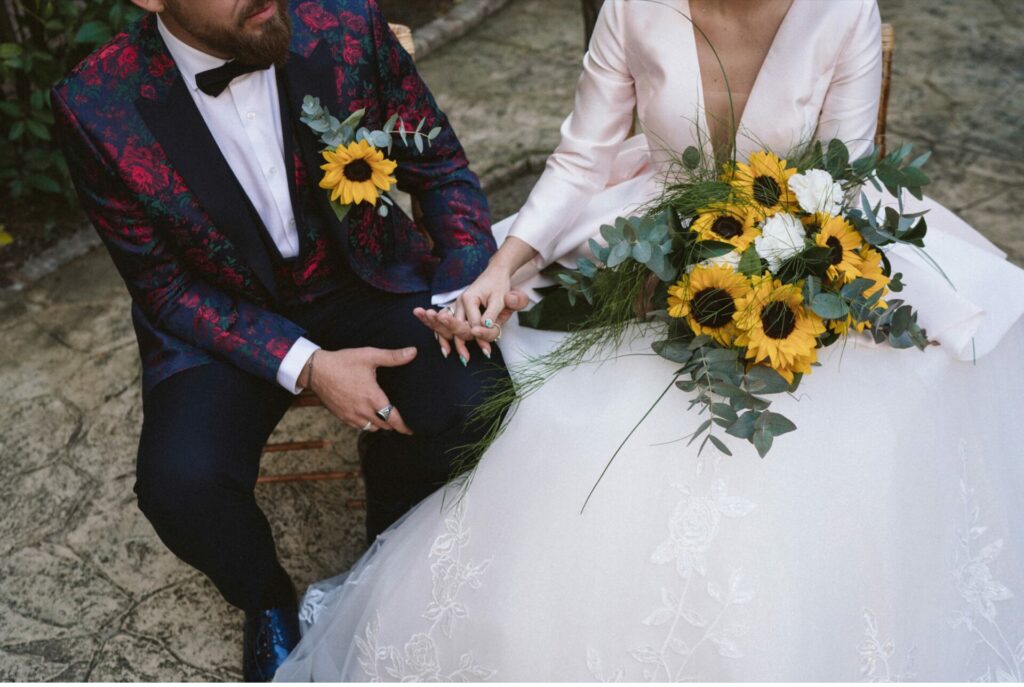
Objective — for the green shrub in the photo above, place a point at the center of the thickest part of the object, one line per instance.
(42, 41)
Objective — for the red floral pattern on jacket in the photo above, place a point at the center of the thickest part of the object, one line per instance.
(194, 296)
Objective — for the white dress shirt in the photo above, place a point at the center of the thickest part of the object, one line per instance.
(245, 121)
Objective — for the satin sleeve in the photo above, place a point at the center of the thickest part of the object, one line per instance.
(601, 119)
(850, 109)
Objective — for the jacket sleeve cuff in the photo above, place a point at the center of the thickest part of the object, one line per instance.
(296, 359)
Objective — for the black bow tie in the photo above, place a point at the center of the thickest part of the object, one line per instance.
(214, 81)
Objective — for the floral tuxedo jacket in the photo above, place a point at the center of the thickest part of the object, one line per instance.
(172, 215)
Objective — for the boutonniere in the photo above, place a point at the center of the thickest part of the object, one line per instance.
(357, 170)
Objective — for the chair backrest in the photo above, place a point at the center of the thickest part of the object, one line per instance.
(888, 45)
(404, 35)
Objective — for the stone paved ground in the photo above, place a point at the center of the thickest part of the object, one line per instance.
(87, 591)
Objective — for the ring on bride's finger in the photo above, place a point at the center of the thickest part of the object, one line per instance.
(385, 412)
(498, 327)
(368, 426)
(450, 310)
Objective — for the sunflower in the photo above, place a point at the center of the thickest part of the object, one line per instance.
(842, 240)
(357, 172)
(813, 223)
(727, 223)
(871, 268)
(765, 180)
(708, 298)
(775, 326)
(842, 326)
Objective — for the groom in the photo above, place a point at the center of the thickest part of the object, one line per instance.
(183, 138)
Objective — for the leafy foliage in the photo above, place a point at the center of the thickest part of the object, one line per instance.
(643, 255)
(41, 41)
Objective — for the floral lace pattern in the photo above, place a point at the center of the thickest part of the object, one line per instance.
(693, 527)
(980, 590)
(419, 660)
(876, 655)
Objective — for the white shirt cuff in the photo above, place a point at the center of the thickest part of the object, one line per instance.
(294, 361)
(446, 298)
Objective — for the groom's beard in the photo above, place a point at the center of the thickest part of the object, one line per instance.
(263, 45)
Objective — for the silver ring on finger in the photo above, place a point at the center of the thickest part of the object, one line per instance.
(368, 426)
(385, 412)
(450, 310)
(498, 337)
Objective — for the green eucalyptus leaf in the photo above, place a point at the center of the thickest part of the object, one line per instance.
(762, 440)
(724, 411)
(762, 379)
(691, 157)
(673, 350)
(719, 444)
(743, 428)
(700, 430)
(642, 253)
(619, 253)
(829, 306)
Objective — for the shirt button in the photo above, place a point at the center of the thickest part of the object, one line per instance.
(291, 222)
(250, 115)
(271, 171)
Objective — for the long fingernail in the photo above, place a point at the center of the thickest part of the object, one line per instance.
(487, 353)
(444, 352)
(462, 359)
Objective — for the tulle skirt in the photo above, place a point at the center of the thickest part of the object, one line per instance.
(882, 540)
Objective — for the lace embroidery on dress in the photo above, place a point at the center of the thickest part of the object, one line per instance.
(980, 591)
(876, 656)
(419, 660)
(693, 528)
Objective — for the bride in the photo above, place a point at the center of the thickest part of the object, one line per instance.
(883, 540)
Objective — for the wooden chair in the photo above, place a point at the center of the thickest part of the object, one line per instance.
(888, 46)
(307, 399)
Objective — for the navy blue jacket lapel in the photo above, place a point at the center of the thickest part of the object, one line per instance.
(176, 123)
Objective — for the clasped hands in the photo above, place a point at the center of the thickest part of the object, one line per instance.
(477, 315)
(346, 380)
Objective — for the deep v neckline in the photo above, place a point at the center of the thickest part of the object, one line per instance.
(702, 116)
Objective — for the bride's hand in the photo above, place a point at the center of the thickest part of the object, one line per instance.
(454, 329)
(492, 294)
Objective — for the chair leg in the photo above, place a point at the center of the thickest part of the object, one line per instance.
(297, 446)
(309, 477)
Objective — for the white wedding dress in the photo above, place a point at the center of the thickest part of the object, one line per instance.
(883, 540)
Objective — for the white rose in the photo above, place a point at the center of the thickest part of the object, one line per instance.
(817, 191)
(781, 238)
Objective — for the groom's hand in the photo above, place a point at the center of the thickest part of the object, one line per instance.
(346, 382)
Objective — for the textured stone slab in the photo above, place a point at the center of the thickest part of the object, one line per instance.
(36, 431)
(40, 504)
(50, 660)
(116, 538)
(47, 592)
(129, 658)
(191, 622)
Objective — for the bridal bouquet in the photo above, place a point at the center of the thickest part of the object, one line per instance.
(752, 267)
(356, 169)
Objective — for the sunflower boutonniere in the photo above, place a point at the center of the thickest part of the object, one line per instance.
(356, 168)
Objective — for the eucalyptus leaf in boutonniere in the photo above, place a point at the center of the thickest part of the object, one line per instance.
(357, 169)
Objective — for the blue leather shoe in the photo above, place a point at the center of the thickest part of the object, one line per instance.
(267, 639)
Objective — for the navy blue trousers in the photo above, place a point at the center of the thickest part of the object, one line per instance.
(204, 429)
